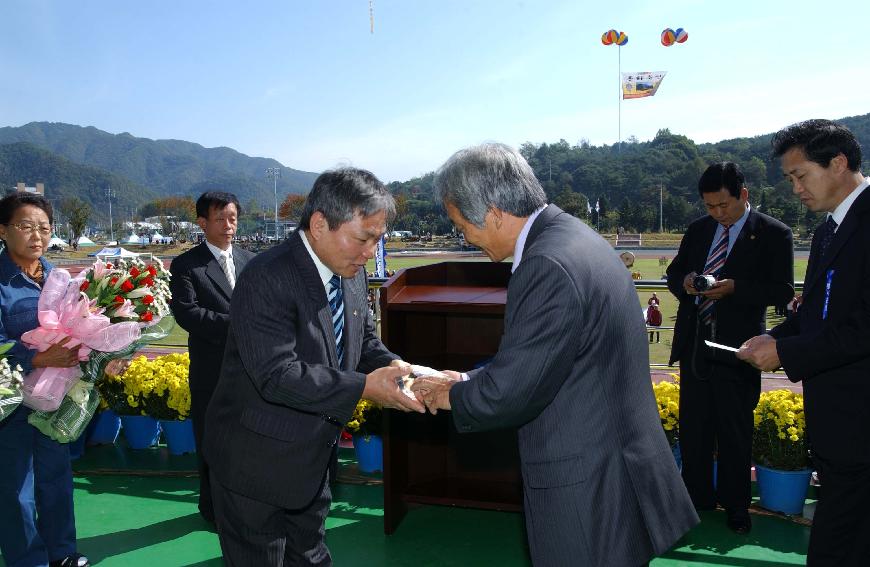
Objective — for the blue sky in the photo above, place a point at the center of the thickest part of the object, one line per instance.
(305, 82)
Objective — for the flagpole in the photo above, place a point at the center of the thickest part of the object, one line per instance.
(619, 93)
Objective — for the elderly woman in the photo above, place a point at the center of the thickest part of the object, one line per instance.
(37, 526)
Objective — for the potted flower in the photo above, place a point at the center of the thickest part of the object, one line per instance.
(106, 424)
(780, 452)
(155, 389)
(365, 427)
(123, 393)
(668, 400)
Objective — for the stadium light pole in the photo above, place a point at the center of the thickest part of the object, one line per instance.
(109, 195)
(661, 209)
(274, 173)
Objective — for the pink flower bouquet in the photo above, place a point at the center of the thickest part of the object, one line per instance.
(108, 311)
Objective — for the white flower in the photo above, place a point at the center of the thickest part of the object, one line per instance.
(139, 292)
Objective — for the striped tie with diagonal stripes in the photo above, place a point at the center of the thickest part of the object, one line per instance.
(715, 262)
(336, 304)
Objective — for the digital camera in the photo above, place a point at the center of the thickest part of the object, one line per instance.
(703, 282)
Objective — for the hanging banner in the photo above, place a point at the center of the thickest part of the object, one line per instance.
(639, 85)
(381, 260)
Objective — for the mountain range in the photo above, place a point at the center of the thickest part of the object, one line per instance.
(86, 162)
(638, 185)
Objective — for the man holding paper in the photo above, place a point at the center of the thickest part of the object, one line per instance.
(826, 344)
(743, 261)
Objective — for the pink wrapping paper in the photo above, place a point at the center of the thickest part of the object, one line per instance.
(64, 311)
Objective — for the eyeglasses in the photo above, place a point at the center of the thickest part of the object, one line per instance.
(29, 227)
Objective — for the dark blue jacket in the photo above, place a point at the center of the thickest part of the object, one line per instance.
(19, 300)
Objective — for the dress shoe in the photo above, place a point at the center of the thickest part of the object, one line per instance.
(74, 560)
(739, 523)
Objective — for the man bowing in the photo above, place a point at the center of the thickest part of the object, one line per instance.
(572, 373)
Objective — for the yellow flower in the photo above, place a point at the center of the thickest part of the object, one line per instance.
(159, 386)
(365, 419)
(778, 438)
(667, 395)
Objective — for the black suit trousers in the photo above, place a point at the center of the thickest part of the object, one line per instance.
(254, 533)
(841, 525)
(716, 403)
(199, 398)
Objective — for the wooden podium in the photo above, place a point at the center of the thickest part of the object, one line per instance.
(446, 316)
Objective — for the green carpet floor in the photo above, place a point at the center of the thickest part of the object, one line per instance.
(138, 508)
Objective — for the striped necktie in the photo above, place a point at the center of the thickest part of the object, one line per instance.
(715, 262)
(226, 262)
(336, 304)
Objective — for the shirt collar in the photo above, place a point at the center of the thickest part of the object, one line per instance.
(521, 240)
(9, 269)
(324, 272)
(218, 252)
(839, 213)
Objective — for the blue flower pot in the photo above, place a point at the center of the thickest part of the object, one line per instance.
(179, 436)
(141, 431)
(104, 428)
(782, 491)
(369, 452)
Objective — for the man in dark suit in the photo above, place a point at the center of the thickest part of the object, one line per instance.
(202, 284)
(301, 352)
(826, 344)
(749, 255)
(600, 483)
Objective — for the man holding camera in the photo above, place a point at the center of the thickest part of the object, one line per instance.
(731, 265)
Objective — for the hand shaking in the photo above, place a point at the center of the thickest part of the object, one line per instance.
(434, 389)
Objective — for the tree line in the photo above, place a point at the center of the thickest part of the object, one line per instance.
(637, 186)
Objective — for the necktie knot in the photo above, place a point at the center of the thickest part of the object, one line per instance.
(827, 235)
(334, 282)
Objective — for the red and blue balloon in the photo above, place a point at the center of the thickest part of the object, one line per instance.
(670, 37)
(613, 37)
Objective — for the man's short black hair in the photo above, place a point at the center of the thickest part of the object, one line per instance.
(725, 174)
(821, 141)
(217, 199)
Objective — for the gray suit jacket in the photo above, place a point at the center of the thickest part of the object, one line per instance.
(282, 399)
(601, 486)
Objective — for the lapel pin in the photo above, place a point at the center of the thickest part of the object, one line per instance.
(354, 312)
(751, 237)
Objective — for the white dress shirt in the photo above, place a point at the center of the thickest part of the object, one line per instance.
(228, 255)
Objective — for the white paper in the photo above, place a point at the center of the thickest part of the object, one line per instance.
(717, 345)
(416, 371)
